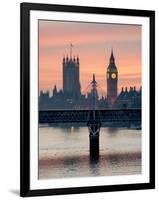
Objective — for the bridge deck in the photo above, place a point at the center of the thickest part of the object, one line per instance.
(80, 116)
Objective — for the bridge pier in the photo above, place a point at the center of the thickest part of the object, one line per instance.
(94, 130)
(94, 146)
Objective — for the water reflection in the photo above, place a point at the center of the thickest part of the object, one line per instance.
(94, 163)
(112, 131)
(114, 159)
(71, 161)
(64, 152)
(67, 128)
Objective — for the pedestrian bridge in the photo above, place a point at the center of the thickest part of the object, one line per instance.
(82, 116)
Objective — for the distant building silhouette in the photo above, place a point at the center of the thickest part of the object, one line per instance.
(112, 81)
(71, 83)
(70, 97)
(129, 98)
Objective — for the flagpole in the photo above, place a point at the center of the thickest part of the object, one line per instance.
(71, 50)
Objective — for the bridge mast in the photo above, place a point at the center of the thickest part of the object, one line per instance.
(94, 92)
(94, 123)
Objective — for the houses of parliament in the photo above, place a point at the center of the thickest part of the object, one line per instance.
(71, 97)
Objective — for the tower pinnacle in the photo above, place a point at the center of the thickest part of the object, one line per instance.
(77, 59)
(94, 81)
(112, 59)
(112, 81)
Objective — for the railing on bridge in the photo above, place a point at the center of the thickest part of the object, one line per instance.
(82, 116)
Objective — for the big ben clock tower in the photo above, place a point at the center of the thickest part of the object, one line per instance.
(112, 81)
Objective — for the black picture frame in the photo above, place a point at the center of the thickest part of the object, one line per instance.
(25, 9)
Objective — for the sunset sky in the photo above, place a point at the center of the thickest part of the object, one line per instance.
(92, 43)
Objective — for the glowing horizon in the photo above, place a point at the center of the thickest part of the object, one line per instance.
(92, 43)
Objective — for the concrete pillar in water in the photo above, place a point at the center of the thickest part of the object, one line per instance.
(94, 129)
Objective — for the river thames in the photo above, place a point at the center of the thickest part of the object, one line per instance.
(64, 152)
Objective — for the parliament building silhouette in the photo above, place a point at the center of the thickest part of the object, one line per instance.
(70, 97)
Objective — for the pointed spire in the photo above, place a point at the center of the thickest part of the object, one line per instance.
(94, 79)
(131, 89)
(77, 59)
(54, 91)
(112, 59)
(67, 58)
(55, 88)
(112, 51)
(71, 46)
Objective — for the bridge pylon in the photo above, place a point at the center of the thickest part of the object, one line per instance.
(94, 124)
(94, 130)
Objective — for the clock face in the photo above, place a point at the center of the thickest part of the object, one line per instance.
(113, 75)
